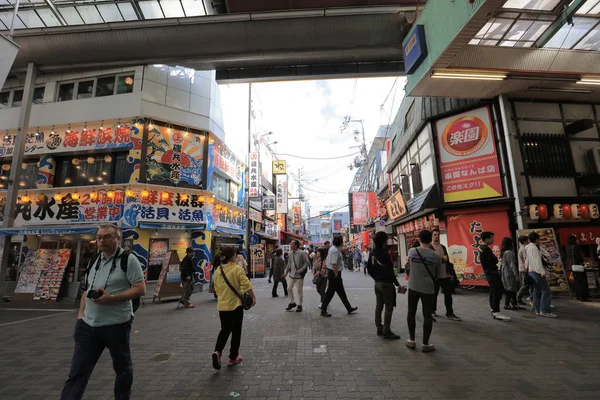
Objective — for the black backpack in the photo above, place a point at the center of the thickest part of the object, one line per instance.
(135, 303)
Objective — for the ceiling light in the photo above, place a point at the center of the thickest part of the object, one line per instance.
(487, 76)
(589, 81)
(558, 90)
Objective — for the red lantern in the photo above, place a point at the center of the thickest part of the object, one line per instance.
(566, 210)
(585, 214)
(543, 212)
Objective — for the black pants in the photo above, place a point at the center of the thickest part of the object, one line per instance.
(446, 286)
(89, 345)
(581, 285)
(510, 298)
(336, 285)
(427, 305)
(496, 290)
(283, 283)
(385, 293)
(231, 323)
(322, 288)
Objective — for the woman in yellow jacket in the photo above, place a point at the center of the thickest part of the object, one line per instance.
(229, 305)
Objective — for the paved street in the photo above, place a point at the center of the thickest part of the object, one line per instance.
(304, 356)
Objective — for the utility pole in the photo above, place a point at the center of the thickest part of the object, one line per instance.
(248, 181)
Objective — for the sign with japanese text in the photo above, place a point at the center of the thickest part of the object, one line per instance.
(257, 258)
(72, 139)
(556, 277)
(254, 176)
(51, 275)
(282, 194)
(325, 228)
(268, 203)
(271, 229)
(337, 225)
(279, 167)
(255, 215)
(373, 203)
(396, 206)
(464, 241)
(297, 214)
(359, 208)
(224, 160)
(585, 234)
(174, 157)
(468, 158)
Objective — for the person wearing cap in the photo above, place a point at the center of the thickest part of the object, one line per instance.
(187, 277)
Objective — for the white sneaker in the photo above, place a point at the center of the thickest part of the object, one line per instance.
(548, 315)
(500, 317)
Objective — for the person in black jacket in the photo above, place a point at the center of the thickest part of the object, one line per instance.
(381, 269)
(489, 262)
(580, 277)
(187, 277)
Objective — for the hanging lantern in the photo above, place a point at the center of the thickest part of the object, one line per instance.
(110, 194)
(130, 193)
(75, 161)
(218, 207)
(91, 160)
(107, 158)
(93, 195)
(165, 195)
(25, 199)
(575, 211)
(585, 214)
(201, 199)
(566, 210)
(557, 211)
(58, 197)
(183, 197)
(75, 196)
(6, 167)
(212, 200)
(533, 212)
(41, 198)
(24, 165)
(145, 194)
(236, 212)
(543, 212)
(594, 211)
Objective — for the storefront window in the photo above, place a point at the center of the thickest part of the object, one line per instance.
(220, 187)
(124, 84)
(17, 98)
(65, 91)
(93, 170)
(28, 175)
(427, 174)
(89, 250)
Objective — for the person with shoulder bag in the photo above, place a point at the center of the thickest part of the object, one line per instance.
(114, 284)
(278, 271)
(187, 277)
(446, 280)
(295, 271)
(577, 266)
(234, 294)
(320, 272)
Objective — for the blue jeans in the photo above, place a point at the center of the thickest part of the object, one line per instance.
(89, 345)
(541, 293)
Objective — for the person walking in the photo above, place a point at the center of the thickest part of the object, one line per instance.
(357, 259)
(525, 285)
(381, 269)
(577, 265)
(446, 280)
(278, 269)
(187, 277)
(297, 266)
(320, 270)
(106, 315)
(424, 265)
(335, 262)
(229, 305)
(489, 262)
(241, 260)
(365, 259)
(537, 272)
(271, 263)
(510, 274)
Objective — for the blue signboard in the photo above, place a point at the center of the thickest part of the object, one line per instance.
(253, 240)
(414, 49)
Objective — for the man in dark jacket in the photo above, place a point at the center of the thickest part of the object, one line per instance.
(187, 277)
(381, 269)
(489, 262)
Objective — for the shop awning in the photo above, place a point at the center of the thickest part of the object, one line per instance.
(49, 230)
(182, 227)
(231, 231)
(423, 203)
(294, 235)
(264, 235)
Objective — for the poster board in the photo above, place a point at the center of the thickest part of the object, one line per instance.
(557, 278)
(169, 281)
(257, 259)
(31, 282)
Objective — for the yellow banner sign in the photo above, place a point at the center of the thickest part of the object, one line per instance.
(279, 167)
(396, 207)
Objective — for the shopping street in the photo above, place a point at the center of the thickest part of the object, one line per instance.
(304, 356)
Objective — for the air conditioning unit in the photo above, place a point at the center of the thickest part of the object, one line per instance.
(592, 158)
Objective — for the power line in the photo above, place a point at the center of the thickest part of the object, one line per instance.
(327, 213)
(316, 158)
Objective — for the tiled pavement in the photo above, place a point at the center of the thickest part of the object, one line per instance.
(304, 356)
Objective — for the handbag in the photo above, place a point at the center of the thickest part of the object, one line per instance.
(245, 298)
(317, 279)
(577, 268)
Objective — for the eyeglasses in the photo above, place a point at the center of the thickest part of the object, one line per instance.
(104, 237)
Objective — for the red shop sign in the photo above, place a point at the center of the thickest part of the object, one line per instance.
(585, 234)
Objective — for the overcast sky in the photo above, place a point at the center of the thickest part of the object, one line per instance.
(305, 118)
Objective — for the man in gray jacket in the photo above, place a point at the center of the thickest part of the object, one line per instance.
(297, 266)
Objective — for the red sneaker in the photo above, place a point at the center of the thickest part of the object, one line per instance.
(233, 361)
(216, 360)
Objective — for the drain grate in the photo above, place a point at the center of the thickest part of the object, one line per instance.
(160, 357)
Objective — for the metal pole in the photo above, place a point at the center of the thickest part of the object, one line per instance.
(248, 179)
(15, 171)
(12, 22)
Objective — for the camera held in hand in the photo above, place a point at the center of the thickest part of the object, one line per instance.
(94, 294)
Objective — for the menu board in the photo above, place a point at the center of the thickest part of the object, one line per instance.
(557, 280)
(51, 275)
(173, 274)
(30, 271)
(158, 250)
(163, 272)
(257, 257)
